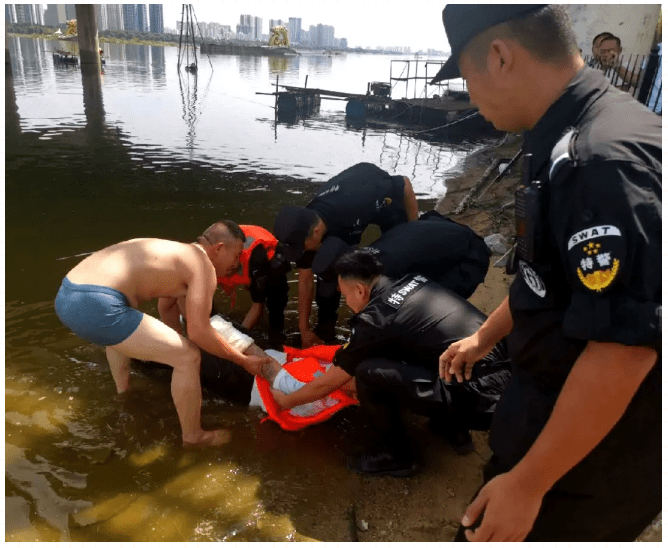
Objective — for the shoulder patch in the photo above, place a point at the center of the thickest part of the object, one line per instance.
(532, 279)
(595, 255)
(399, 295)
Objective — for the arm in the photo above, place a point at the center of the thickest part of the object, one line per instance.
(168, 308)
(253, 315)
(629, 77)
(315, 390)
(306, 289)
(410, 201)
(461, 356)
(199, 296)
(259, 271)
(595, 395)
(271, 368)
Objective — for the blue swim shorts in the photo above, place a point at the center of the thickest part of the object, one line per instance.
(95, 313)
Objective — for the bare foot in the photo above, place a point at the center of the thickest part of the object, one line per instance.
(209, 438)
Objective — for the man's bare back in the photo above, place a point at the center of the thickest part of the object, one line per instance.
(142, 269)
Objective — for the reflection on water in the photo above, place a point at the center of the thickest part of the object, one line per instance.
(141, 150)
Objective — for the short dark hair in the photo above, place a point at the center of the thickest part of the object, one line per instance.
(359, 265)
(612, 37)
(223, 231)
(600, 35)
(546, 33)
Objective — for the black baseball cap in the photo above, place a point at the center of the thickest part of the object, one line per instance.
(463, 22)
(291, 228)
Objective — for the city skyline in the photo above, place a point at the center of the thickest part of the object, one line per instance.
(364, 23)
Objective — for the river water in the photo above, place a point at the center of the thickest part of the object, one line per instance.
(154, 152)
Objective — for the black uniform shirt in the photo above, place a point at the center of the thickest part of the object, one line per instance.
(444, 251)
(411, 320)
(596, 277)
(264, 272)
(361, 195)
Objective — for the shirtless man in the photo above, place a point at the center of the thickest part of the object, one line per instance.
(98, 301)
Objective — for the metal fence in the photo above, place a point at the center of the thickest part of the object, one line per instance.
(639, 75)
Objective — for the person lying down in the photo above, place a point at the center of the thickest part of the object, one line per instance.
(290, 370)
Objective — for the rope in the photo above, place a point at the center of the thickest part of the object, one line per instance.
(448, 125)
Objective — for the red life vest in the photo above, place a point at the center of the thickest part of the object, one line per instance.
(255, 235)
(304, 370)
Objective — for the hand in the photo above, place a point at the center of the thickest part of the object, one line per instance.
(510, 510)
(309, 339)
(270, 370)
(461, 356)
(254, 364)
(279, 398)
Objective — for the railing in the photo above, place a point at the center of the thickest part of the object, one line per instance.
(639, 75)
(412, 73)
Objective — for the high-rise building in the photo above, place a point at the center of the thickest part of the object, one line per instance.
(39, 14)
(54, 15)
(295, 29)
(25, 13)
(10, 13)
(324, 36)
(142, 18)
(70, 12)
(114, 17)
(129, 16)
(245, 27)
(275, 23)
(101, 16)
(156, 18)
(257, 28)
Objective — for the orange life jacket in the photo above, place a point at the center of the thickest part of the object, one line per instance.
(305, 370)
(255, 235)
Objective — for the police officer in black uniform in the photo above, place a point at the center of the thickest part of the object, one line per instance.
(400, 329)
(446, 252)
(576, 437)
(344, 206)
(269, 285)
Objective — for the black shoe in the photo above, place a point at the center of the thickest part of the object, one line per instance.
(459, 439)
(382, 463)
(461, 442)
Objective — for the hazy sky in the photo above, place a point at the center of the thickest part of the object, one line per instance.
(413, 23)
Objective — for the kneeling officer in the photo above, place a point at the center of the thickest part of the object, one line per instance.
(446, 252)
(397, 335)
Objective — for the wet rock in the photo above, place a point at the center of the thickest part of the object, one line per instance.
(362, 525)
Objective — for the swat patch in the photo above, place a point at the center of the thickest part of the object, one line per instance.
(398, 296)
(532, 279)
(593, 232)
(595, 255)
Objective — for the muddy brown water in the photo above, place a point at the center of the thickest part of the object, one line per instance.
(152, 154)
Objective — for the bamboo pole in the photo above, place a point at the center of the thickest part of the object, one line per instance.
(469, 196)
